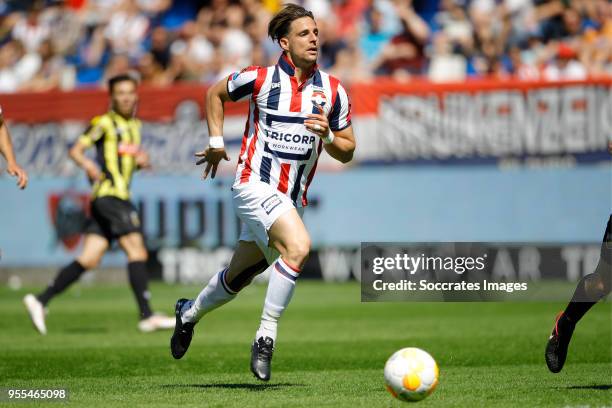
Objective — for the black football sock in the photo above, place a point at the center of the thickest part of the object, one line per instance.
(66, 277)
(583, 298)
(139, 281)
(245, 277)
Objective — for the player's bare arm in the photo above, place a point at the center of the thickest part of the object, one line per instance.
(6, 149)
(343, 146)
(77, 154)
(215, 152)
(143, 160)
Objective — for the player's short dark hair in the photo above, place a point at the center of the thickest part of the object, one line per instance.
(280, 23)
(120, 78)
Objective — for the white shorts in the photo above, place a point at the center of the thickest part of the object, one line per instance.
(258, 205)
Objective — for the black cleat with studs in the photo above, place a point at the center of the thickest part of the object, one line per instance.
(183, 332)
(558, 343)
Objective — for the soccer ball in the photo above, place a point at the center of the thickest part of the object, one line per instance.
(411, 374)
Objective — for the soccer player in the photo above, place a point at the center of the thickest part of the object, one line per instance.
(116, 136)
(296, 111)
(6, 149)
(590, 290)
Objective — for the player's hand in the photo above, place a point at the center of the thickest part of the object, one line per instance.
(22, 177)
(92, 171)
(143, 160)
(211, 157)
(317, 123)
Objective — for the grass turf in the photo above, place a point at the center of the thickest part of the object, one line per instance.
(331, 352)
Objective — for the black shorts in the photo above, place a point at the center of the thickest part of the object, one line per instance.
(112, 217)
(606, 245)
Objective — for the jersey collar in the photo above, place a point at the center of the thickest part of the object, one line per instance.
(288, 67)
(115, 114)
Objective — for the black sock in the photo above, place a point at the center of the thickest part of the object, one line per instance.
(580, 304)
(138, 280)
(245, 277)
(66, 277)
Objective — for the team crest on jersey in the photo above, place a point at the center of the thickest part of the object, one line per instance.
(318, 98)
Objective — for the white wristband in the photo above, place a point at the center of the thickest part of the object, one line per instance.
(329, 138)
(216, 142)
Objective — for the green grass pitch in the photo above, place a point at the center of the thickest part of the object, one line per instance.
(331, 352)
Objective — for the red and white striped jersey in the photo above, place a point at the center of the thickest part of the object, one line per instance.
(276, 147)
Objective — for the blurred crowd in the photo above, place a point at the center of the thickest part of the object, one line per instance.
(67, 44)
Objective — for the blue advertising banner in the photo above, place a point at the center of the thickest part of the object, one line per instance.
(40, 226)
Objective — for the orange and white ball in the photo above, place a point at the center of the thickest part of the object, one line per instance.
(411, 374)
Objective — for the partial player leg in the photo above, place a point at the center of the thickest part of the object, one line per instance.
(94, 248)
(590, 290)
(247, 262)
(134, 247)
(289, 237)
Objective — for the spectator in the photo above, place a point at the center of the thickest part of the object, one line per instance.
(153, 9)
(264, 50)
(358, 39)
(458, 29)
(91, 57)
(119, 64)
(51, 72)
(17, 66)
(160, 46)
(127, 29)
(374, 36)
(522, 68)
(565, 66)
(596, 44)
(404, 55)
(520, 15)
(348, 14)
(152, 73)
(445, 65)
(349, 62)
(236, 45)
(98, 12)
(192, 53)
(64, 26)
(331, 44)
(31, 30)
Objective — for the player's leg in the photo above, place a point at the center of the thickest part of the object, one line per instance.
(120, 220)
(134, 247)
(289, 237)
(247, 262)
(590, 289)
(94, 247)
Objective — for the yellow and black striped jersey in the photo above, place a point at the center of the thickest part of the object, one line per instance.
(117, 141)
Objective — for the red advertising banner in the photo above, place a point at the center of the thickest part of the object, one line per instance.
(159, 104)
(490, 122)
